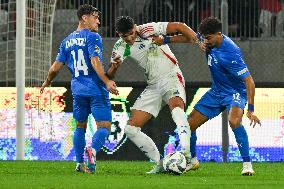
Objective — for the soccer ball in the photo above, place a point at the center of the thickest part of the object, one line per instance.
(175, 163)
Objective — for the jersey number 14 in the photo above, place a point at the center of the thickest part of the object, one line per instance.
(80, 63)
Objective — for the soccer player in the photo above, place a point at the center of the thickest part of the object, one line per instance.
(164, 78)
(232, 86)
(82, 52)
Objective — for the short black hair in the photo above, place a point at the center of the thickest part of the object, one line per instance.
(86, 10)
(124, 24)
(210, 25)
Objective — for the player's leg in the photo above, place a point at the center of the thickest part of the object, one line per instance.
(176, 105)
(80, 113)
(235, 119)
(195, 120)
(101, 110)
(79, 143)
(206, 108)
(133, 131)
(175, 97)
(236, 109)
(148, 104)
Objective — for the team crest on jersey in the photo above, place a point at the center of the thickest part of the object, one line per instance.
(97, 49)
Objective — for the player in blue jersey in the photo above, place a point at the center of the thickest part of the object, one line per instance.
(232, 86)
(81, 51)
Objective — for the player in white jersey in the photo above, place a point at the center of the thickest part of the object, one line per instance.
(165, 80)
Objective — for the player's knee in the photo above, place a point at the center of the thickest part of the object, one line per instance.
(176, 102)
(131, 131)
(81, 125)
(106, 124)
(195, 120)
(235, 122)
(135, 122)
(192, 123)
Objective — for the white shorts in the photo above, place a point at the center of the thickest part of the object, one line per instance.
(155, 96)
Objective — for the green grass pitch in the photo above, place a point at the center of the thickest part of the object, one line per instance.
(123, 174)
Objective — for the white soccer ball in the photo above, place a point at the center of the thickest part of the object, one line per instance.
(175, 163)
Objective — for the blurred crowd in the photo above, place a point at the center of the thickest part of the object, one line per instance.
(247, 18)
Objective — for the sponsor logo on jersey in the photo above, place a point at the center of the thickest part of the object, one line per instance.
(141, 46)
(176, 92)
(242, 71)
(113, 54)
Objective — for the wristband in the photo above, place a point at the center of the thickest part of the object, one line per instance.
(251, 107)
(167, 39)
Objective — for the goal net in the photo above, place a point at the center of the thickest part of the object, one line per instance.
(39, 22)
(38, 48)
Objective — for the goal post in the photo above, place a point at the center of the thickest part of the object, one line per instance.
(20, 78)
(25, 53)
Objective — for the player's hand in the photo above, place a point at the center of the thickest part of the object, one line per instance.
(158, 40)
(116, 61)
(112, 88)
(45, 84)
(253, 119)
(202, 46)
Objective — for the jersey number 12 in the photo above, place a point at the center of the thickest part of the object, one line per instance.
(80, 63)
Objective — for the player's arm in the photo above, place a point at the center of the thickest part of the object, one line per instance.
(116, 59)
(56, 66)
(97, 65)
(115, 63)
(94, 43)
(52, 73)
(160, 40)
(250, 86)
(187, 34)
(235, 65)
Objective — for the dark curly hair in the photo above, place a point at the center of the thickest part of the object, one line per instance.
(124, 24)
(210, 25)
(86, 10)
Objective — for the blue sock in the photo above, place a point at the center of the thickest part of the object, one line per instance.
(243, 144)
(79, 143)
(193, 139)
(99, 138)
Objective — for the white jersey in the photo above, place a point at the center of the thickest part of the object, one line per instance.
(158, 61)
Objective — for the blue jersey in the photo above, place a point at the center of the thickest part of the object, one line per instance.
(227, 68)
(76, 50)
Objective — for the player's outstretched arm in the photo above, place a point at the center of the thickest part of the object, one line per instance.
(160, 40)
(115, 63)
(52, 73)
(250, 86)
(182, 28)
(111, 86)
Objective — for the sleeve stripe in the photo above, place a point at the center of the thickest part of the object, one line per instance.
(146, 28)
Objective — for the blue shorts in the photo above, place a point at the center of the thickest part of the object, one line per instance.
(99, 106)
(212, 104)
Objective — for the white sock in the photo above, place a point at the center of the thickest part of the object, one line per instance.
(184, 132)
(143, 142)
